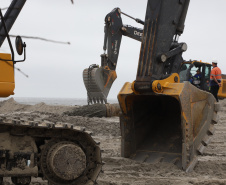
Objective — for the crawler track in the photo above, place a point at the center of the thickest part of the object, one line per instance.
(59, 152)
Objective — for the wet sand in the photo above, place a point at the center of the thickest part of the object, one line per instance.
(210, 170)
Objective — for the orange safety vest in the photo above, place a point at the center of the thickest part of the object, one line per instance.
(215, 72)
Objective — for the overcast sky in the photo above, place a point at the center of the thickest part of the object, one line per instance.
(55, 70)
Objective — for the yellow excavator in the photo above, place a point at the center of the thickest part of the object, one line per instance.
(61, 153)
(188, 72)
(163, 118)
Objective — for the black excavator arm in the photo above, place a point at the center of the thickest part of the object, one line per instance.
(161, 54)
(114, 29)
(10, 17)
(98, 80)
(7, 61)
(6, 24)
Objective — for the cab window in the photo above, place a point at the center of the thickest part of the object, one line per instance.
(184, 72)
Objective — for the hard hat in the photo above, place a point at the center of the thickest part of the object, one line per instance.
(214, 61)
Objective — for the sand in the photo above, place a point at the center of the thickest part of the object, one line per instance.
(210, 170)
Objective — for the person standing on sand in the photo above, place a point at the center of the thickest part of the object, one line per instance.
(215, 79)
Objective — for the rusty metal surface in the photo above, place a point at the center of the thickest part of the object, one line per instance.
(174, 126)
(112, 110)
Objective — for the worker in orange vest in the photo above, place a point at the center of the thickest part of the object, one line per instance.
(215, 79)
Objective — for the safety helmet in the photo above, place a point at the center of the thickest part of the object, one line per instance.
(214, 61)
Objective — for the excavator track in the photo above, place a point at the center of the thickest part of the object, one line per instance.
(58, 152)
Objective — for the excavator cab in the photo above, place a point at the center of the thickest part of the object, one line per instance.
(197, 73)
(188, 70)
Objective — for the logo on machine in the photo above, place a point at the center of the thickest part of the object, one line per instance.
(116, 45)
(138, 33)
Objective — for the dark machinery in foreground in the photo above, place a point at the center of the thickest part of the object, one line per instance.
(161, 118)
(61, 153)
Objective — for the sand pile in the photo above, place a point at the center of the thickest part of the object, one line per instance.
(96, 110)
(10, 106)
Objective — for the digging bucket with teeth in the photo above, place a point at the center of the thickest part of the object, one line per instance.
(98, 82)
(174, 126)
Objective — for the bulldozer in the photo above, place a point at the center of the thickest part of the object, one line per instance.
(164, 118)
(60, 153)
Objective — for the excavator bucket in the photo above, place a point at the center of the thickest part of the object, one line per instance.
(174, 126)
(98, 82)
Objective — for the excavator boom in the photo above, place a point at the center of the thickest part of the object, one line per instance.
(162, 23)
(98, 80)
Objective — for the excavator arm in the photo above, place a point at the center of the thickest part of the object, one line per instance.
(161, 54)
(114, 29)
(98, 80)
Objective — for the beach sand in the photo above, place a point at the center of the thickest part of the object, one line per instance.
(210, 169)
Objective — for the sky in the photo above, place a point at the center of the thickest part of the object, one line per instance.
(55, 70)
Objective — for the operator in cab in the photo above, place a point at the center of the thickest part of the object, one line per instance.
(215, 79)
(196, 79)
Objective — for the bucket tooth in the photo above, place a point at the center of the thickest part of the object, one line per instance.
(98, 82)
(206, 140)
(99, 100)
(211, 129)
(201, 149)
(217, 107)
(191, 165)
(215, 118)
